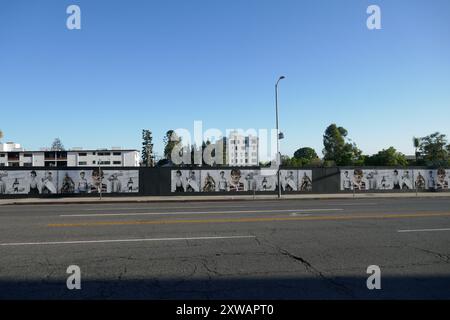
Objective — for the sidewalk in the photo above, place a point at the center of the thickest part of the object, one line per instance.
(150, 199)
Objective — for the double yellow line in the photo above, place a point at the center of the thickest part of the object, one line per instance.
(238, 220)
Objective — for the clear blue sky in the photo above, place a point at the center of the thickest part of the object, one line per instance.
(163, 64)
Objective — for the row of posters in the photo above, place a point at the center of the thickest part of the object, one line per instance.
(236, 180)
(35, 182)
(395, 179)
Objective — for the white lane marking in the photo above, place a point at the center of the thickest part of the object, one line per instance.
(424, 230)
(206, 207)
(353, 204)
(296, 214)
(194, 212)
(120, 240)
(158, 208)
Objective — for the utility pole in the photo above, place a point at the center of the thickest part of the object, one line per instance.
(279, 136)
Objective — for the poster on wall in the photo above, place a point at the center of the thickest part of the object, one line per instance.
(88, 181)
(442, 179)
(210, 181)
(305, 180)
(31, 182)
(228, 180)
(289, 180)
(266, 182)
(36, 182)
(234, 180)
(185, 181)
(239, 180)
(394, 179)
(425, 179)
(375, 179)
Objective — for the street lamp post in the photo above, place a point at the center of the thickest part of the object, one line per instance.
(279, 136)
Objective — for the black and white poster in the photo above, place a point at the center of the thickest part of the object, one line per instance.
(239, 180)
(267, 181)
(31, 182)
(394, 179)
(442, 179)
(425, 179)
(36, 182)
(289, 180)
(185, 181)
(305, 180)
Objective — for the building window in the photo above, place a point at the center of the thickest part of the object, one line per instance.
(27, 155)
(49, 155)
(82, 163)
(13, 156)
(82, 154)
(117, 153)
(117, 162)
(27, 164)
(61, 155)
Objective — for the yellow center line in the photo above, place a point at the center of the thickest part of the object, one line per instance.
(256, 219)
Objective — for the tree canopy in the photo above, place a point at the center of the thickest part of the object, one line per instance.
(339, 149)
(387, 157)
(57, 145)
(433, 150)
(171, 140)
(147, 148)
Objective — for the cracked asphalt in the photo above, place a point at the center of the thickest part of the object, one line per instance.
(289, 249)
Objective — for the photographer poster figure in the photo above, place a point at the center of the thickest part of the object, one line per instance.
(420, 181)
(431, 182)
(306, 183)
(406, 181)
(347, 184)
(3, 183)
(209, 184)
(192, 184)
(223, 183)
(115, 184)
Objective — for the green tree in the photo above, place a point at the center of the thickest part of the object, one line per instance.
(1, 134)
(340, 149)
(305, 156)
(434, 149)
(147, 156)
(171, 140)
(57, 145)
(387, 157)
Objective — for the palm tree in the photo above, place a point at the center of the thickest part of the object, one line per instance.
(416, 143)
(1, 134)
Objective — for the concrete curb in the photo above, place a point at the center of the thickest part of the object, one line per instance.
(150, 199)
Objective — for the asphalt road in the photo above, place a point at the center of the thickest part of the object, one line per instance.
(291, 249)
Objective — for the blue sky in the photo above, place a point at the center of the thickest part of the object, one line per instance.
(164, 64)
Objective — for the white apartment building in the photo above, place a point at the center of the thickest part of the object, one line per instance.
(242, 150)
(114, 157)
(10, 146)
